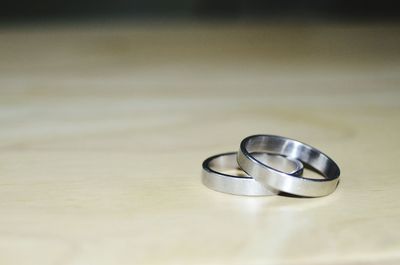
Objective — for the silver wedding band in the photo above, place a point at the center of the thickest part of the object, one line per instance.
(288, 182)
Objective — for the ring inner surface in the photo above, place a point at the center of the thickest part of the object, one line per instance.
(278, 162)
(227, 164)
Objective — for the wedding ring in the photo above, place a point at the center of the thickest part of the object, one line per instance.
(276, 179)
(222, 173)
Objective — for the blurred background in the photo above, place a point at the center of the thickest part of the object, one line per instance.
(25, 10)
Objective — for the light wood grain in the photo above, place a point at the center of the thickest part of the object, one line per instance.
(103, 129)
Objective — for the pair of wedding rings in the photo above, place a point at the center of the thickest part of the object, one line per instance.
(268, 165)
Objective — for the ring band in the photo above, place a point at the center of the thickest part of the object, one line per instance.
(288, 182)
(217, 175)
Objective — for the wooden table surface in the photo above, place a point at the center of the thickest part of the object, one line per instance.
(103, 129)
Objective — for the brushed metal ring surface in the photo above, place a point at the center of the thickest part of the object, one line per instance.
(217, 174)
(287, 182)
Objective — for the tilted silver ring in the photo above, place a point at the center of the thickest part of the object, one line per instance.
(222, 173)
(276, 179)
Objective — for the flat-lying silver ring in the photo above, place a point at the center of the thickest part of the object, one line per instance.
(282, 181)
(240, 183)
